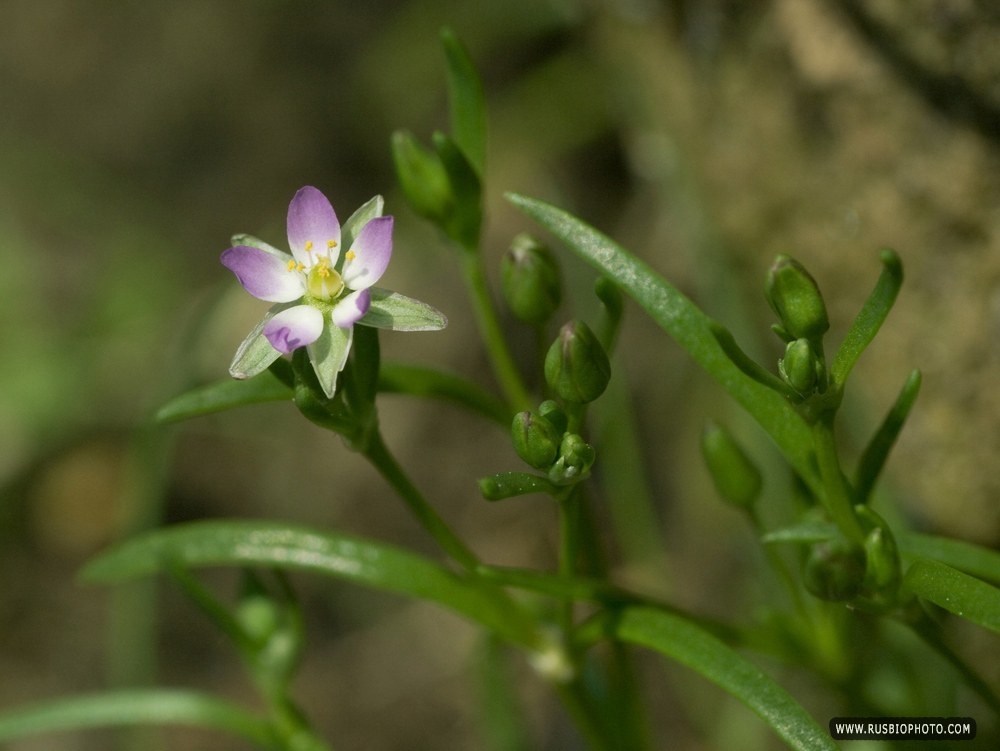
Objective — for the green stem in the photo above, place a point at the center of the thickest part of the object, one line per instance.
(835, 494)
(779, 565)
(489, 328)
(574, 697)
(378, 454)
(569, 548)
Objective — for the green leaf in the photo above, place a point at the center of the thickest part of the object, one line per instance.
(802, 533)
(467, 103)
(502, 717)
(391, 310)
(510, 484)
(463, 223)
(956, 592)
(137, 707)
(970, 558)
(877, 451)
(680, 640)
(285, 546)
(223, 395)
(416, 380)
(370, 209)
(871, 317)
(686, 323)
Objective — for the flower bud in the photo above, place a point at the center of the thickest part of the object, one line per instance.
(736, 478)
(799, 366)
(834, 570)
(536, 441)
(552, 412)
(529, 277)
(576, 457)
(796, 299)
(576, 366)
(423, 178)
(882, 568)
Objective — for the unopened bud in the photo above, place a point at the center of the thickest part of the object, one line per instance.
(422, 177)
(736, 478)
(799, 366)
(576, 366)
(576, 457)
(882, 568)
(796, 299)
(529, 276)
(552, 412)
(536, 441)
(835, 570)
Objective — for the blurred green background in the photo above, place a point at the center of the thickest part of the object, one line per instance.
(707, 136)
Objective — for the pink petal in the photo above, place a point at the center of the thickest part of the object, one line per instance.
(372, 251)
(295, 327)
(351, 308)
(263, 275)
(311, 218)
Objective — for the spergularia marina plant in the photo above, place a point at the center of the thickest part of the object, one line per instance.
(322, 289)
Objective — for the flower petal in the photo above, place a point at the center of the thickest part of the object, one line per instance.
(264, 275)
(311, 218)
(294, 328)
(372, 251)
(328, 355)
(351, 308)
(256, 353)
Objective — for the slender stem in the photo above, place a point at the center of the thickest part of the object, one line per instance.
(574, 697)
(835, 495)
(489, 328)
(779, 564)
(569, 548)
(378, 454)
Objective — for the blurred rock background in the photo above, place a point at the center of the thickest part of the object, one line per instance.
(707, 136)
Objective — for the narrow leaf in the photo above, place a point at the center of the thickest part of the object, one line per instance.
(965, 556)
(747, 365)
(223, 395)
(502, 717)
(877, 451)
(137, 707)
(680, 640)
(465, 219)
(802, 533)
(687, 324)
(278, 545)
(467, 103)
(416, 380)
(956, 592)
(391, 310)
(511, 484)
(871, 317)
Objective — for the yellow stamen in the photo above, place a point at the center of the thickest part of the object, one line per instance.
(349, 255)
(291, 265)
(309, 245)
(300, 266)
(331, 244)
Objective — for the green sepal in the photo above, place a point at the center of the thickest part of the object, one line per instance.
(576, 366)
(871, 317)
(466, 100)
(576, 457)
(256, 242)
(555, 414)
(328, 354)
(799, 366)
(835, 570)
(255, 354)
(370, 209)
(391, 310)
(883, 572)
(736, 478)
(511, 484)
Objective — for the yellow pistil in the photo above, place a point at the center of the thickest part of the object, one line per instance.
(321, 268)
(349, 255)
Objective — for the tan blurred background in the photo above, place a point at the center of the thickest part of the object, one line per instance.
(707, 136)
